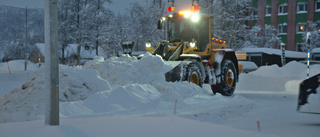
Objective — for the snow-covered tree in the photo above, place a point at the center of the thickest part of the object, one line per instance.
(228, 17)
(84, 22)
(99, 22)
(144, 18)
(314, 37)
(64, 31)
(256, 37)
(13, 29)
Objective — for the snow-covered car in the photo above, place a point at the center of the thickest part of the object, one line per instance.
(248, 66)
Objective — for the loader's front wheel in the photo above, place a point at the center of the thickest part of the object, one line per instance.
(228, 79)
(193, 74)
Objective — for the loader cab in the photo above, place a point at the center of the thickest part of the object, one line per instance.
(181, 28)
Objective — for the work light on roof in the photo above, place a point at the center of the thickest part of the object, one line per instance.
(170, 9)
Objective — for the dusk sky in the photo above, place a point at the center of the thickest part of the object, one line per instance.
(116, 5)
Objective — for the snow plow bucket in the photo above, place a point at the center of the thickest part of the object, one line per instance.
(309, 96)
(174, 74)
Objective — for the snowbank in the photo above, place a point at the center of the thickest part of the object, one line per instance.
(120, 71)
(134, 84)
(27, 101)
(276, 78)
(17, 65)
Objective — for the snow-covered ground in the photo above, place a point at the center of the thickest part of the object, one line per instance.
(129, 97)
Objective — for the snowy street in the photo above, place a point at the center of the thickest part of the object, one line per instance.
(126, 100)
(276, 112)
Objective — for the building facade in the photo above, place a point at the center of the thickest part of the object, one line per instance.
(289, 17)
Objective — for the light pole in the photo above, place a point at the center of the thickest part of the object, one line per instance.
(26, 41)
(52, 60)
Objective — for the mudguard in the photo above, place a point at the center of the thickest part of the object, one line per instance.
(309, 95)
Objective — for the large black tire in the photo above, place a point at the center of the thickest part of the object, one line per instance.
(192, 73)
(228, 79)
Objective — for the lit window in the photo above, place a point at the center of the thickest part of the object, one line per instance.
(268, 10)
(301, 27)
(283, 9)
(318, 27)
(301, 7)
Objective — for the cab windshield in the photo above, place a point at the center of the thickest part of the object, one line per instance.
(181, 29)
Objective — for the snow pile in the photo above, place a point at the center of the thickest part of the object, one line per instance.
(286, 78)
(17, 65)
(134, 84)
(125, 70)
(27, 101)
(137, 84)
(128, 70)
(77, 84)
(128, 97)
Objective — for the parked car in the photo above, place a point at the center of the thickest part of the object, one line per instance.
(248, 66)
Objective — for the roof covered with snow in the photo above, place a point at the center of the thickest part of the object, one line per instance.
(41, 47)
(315, 50)
(270, 51)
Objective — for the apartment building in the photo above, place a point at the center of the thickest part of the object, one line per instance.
(289, 17)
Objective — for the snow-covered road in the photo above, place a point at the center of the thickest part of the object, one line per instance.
(275, 111)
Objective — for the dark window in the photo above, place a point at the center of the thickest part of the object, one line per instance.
(284, 29)
(268, 10)
(318, 5)
(301, 7)
(255, 12)
(283, 9)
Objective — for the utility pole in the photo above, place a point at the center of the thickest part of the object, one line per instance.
(26, 41)
(52, 61)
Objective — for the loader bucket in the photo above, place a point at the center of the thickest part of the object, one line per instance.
(309, 95)
(174, 74)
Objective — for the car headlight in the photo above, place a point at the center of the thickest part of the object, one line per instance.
(192, 44)
(148, 45)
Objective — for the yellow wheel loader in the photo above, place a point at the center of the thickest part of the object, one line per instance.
(200, 58)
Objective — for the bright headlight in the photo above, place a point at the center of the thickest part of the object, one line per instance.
(163, 18)
(187, 14)
(148, 45)
(192, 44)
(195, 17)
